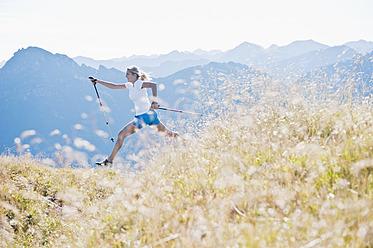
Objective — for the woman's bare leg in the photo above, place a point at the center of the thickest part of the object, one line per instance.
(162, 128)
(125, 132)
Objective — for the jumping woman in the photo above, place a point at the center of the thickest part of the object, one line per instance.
(138, 83)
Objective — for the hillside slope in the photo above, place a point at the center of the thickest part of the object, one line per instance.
(274, 175)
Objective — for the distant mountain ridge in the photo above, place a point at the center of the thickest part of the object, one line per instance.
(245, 53)
(312, 60)
(361, 46)
(2, 63)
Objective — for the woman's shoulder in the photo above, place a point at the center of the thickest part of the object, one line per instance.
(148, 84)
(139, 83)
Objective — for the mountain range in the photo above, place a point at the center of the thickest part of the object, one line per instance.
(296, 53)
(48, 105)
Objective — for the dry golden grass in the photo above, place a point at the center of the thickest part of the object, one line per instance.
(273, 175)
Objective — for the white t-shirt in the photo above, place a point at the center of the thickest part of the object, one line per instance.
(139, 97)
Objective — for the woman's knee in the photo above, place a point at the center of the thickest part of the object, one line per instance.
(122, 135)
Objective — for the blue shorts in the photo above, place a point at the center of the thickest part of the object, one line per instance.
(149, 118)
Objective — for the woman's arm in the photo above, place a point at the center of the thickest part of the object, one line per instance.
(109, 84)
(153, 86)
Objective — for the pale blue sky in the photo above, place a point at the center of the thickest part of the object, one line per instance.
(116, 28)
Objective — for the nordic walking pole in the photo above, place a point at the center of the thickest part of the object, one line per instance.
(181, 111)
(103, 111)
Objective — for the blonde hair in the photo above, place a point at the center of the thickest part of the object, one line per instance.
(136, 70)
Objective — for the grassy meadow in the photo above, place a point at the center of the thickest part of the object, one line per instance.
(273, 170)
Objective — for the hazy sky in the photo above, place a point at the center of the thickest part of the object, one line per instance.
(104, 29)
